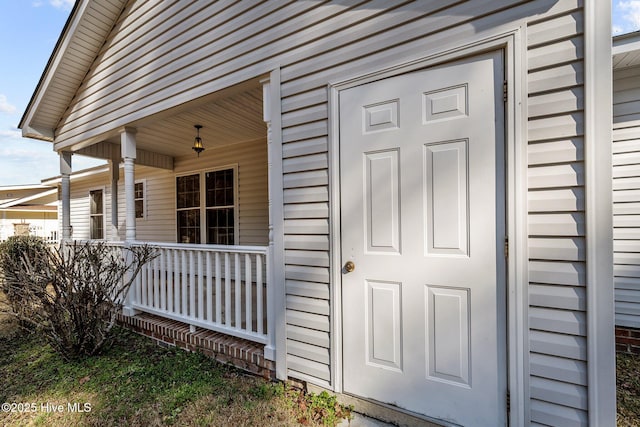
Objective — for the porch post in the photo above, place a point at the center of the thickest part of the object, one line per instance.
(276, 347)
(65, 173)
(128, 152)
(114, 165)
(128, 149)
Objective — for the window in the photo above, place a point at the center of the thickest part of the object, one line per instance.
(220, 207)
(96, 214)
(216, 209)
(188, 203)
(139, 191)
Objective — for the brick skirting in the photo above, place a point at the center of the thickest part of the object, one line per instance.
(627, 340)
(227, 349)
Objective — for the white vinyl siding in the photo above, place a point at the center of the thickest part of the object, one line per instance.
(556, 224)
(81, 205)
(626, 195)
(317, 43)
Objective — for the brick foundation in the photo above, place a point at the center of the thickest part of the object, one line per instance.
(234, 351)
(627, 340)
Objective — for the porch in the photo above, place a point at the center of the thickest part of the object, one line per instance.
(209, 216)
(208, 298)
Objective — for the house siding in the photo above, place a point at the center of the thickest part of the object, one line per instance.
(556, 221)
(80, 204)
(626, 195)
(195, 48)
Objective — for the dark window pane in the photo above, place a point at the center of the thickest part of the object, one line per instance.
(188, 191)
(96, 217)
(189, 226)
(96, 201)
(139, 209)
(139, 199)
(220, 226)
(219, 188)
(97, 231)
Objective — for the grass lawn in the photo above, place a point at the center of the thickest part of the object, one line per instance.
(137, 383)
(628, 390)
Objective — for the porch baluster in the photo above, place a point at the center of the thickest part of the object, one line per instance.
(200, 288)
(192, 286)
(143, 284)
(170, 279)
(209, 289)
(259, 312)
(184, 283)
(218, 290)
(238, 290)
(227, 290)
(156, 282)
(163, 280)
(247, 293)
(149, 283)
(176, 281)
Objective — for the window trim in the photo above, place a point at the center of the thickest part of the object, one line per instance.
(103, 214)
(203, 208)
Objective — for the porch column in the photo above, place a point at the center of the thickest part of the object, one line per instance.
(128, 149)
(275, 268)
(65, 173)
(128, 153)
(114, 165)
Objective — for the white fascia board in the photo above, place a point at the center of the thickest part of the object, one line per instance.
(42, 134)
(626, 43)
(23, 187)
(31, 209)
(55, 180)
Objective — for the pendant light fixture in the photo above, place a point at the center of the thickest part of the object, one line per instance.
(197, 143)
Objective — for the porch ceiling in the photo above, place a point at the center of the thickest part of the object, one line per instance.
(229, 120)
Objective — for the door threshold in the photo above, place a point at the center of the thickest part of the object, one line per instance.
(382, 411)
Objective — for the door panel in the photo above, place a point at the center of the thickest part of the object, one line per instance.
(448, 329)
(384, 347)
(381, 192)
(422, 215)
(446, 201)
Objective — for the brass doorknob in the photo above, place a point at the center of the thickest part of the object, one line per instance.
(349, 267)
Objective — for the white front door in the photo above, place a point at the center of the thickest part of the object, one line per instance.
(422, 226)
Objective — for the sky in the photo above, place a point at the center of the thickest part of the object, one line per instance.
(29, 30)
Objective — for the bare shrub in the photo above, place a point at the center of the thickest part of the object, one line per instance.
(12, 252)
(74, 293)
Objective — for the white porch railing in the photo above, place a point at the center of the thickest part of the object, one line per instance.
(221, 288)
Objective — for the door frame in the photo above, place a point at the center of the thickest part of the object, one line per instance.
(512, 43)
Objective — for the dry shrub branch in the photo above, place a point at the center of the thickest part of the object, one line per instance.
(71, 294)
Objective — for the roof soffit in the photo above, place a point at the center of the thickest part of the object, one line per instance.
(626, 50)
